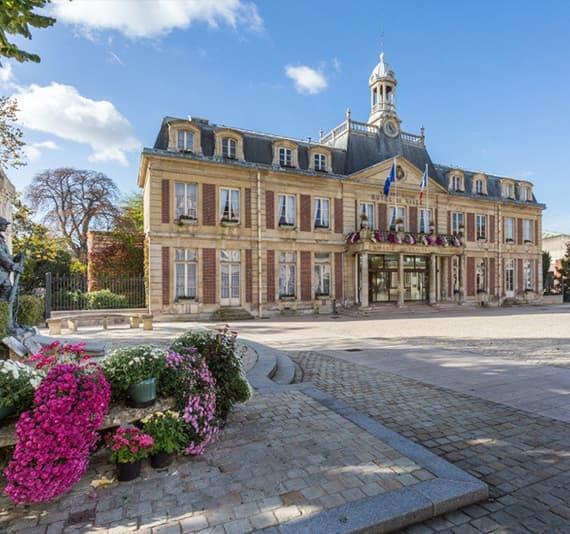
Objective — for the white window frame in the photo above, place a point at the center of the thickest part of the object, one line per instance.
(187, 143)
(424, 220)
(481, 275)
(232, 204)
(287, 275)
(480, 227)
(527, 230)
(186, 200)
(286, 210)
(457, 220)
(185, 271)
(395, 213)
(509, 229)
(323, 276)
(479, 186)
(527, 275)
(367, 208)
(509, 190)
(455, 183)
(285, 156)
(320, 161)
(322, 218)
(229, 148)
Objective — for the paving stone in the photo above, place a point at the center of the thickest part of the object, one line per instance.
(193, 523)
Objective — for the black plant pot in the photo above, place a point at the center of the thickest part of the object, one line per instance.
(160, 459)
(126, 472)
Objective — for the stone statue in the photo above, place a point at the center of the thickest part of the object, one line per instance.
(9, 264)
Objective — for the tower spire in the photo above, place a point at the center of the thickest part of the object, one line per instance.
(382, 83)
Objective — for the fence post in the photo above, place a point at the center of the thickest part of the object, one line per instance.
(47, 297)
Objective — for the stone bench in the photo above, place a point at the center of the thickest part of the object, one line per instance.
(56, 324)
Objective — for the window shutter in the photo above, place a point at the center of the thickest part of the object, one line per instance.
(519, 231)
(270, 276)
(413, 219)
(470, 227)
(536, 237)
(248, 276)
(270, 210)
(382, 217)
(520, 275)
(338, 216)
(305, 213)
(306, 287)
(537, 288)
(248, 207)
(166, 276)
(209, 275)
(165, 192)
(492, 277)
(471, 276)
(491, 228)
(449, 222)
(209, 205)
(338, 275)
(449, 277)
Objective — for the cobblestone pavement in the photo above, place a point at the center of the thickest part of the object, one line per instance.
(282, 456)
(524, 459)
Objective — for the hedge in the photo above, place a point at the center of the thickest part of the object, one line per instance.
(30, 310)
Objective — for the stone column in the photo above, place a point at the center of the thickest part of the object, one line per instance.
(401, 290)
(462, 277)
(364, 279)
(444, 277)
(432, 279)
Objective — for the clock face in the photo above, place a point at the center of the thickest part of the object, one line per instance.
(391, 128)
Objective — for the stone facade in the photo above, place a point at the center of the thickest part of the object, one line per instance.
(7, 194)
(274, 225)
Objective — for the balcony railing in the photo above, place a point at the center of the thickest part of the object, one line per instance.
(367, 129)
(404, 238)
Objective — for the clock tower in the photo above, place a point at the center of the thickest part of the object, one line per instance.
(382, 83)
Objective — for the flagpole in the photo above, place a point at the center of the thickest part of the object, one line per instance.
(427, 197)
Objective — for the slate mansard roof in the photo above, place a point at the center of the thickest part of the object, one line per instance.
(357, 146)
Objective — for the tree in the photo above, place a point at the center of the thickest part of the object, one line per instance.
(565, 269)
(11, 144)
(546, 261)
(16, 17)
(72, 202)
(131, 218)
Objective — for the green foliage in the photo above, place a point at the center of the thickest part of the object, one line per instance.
(132, 215)
(546, 261)
(3, 319)
(30, 310)
(11, 144)
(167, 430)
(219, 349)
(18, 382)
(16, 18)
(126, 366)
(105, 299)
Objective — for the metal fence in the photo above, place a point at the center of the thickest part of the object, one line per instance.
(71, 292)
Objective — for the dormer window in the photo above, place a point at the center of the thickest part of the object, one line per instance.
(526, 194)
(185, 140)
(479, 187)
(229, 148)
(285, 157)
(320, 162)
(455, 183)
(509, 190)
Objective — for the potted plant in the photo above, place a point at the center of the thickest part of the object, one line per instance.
(18, 382)
(134, 371)
(129, 446)
(167, 432)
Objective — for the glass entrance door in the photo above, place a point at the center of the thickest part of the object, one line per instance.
(510, 278)
(415, 284)
(230, 277)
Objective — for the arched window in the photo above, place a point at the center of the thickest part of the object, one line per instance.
(229, 148)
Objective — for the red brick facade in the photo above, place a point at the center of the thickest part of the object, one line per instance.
(338, 217)
(165, 276)
(209, 275)
(208, 204)
(471, 277)
(165, 201)
(413, 219)
(248, 276)
(382, 217)
(470, 227)
(492, 277)
(519, 231)
(270, 210)
(520, 275)
(270, 276)
(491, 228)
(338, 276)
(247, 207)
(306, 276)
(305, 206)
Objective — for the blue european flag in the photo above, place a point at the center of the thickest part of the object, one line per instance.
(390, 179)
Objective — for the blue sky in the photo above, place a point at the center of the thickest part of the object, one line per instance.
(488, 80)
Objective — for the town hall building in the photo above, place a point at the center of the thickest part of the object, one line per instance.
(265, 224)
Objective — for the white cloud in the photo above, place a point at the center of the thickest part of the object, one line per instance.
(139, 18)
(6, 74)
(33, 150)
(307, 80)
(60, 110)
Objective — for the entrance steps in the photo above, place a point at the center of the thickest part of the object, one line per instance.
(225, 315)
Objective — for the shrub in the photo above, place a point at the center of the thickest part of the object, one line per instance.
(167, 431)
(128, 444)
(18, 382)
(126, 366)
(55, 437)
(3, 319)
(105, 299)
(220, 352)
(30, 310)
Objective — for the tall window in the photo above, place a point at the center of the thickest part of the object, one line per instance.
(320, 162)
(186, 268)
(527, 230)
(425, 219)
(229, 148)
(285, 157)
(184, 140)
(509, 230)
(481, 275)
(455, 183)
(479, 187)
(322, 212)
(481, 227)
(508, 190)
(397, 216)
(229, 204)
(527, 275)
(322, 274)
(457, 223)
(367, 212)
(287, 266)
(526, 195)
(286, 210)
(186, 201)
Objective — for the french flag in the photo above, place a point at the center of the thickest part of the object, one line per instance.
(390, 179)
